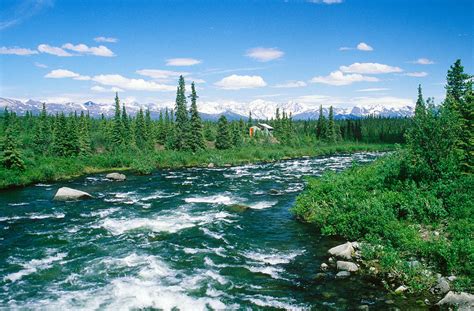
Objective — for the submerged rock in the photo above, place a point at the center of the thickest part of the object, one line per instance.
(463, 301)
(343, 251)
(442, 286)
(343, 274)
(66, 194)
(239, 207)
(324, 266)
(346, 266)
(116, 176)
(273, 191)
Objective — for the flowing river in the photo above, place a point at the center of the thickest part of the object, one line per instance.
(172, 240)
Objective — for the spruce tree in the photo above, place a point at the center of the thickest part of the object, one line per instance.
(223, 138)
(332, 130)
(181, 130)
(140, 132)
(420, 107)
(60, 144)
(236, 135)
(457, 81)
(196, 127)
(43, 135)
(149, 130)
(249, 121)
(126, 132)
(11, 158)
(84, 136)
(321, 127)
(117, 128)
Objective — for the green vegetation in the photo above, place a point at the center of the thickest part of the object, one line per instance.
(45, 147)
(415, 207)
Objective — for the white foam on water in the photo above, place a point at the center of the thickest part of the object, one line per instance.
(44, 216)
(273, 302)
(171, 223)
(33, 266)
(102, 213)
(158, 195)
(263, 204)
(18, 204)
(272, 271)
(212, 234)
(42, 185)
(273, 258)
(214, 199)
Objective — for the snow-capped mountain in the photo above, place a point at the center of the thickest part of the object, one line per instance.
(260, 109)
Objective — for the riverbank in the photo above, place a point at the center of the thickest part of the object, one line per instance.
(416, 235)
(47, 169)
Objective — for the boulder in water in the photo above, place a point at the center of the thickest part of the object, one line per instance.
(239, 208)
(210, 165)
(324, 266)
(343, 251)
(463, 301)
(441, 287)
(116, 176)
(346, 266)
(66, 194)
(343, 274)
(274, 191)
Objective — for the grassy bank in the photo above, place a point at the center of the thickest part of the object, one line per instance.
(46, 169)
(415, 229)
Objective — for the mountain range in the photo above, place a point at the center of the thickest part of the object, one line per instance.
(212, 110)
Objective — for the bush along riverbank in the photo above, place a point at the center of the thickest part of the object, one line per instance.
(48, 168)
(412, 211)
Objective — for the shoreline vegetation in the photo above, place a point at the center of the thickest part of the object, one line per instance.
(411, 211)
(51, 169)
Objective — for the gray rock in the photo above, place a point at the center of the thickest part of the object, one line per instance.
(238, 207)
(343, 251)
(116, 176)
(451, 278)
(355, 245)
(463, 301)
(343, 274)
(442, 286)
(67, 194)
(324, 266)
(210, 165)
(346, 266)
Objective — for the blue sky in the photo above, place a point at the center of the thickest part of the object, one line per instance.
(316, 52)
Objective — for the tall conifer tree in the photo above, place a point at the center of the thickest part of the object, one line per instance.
(196, 127)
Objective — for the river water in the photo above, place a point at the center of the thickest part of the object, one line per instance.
(171, 240)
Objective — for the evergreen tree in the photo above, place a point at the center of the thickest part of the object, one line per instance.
(224, 138)
(420, 108)
(181, 131)
(196, 127)
(84, 136)
(249, 121)
(332, 129)
(160, 129)
(236, 135)
(149, 130)
(60, 144)
(127, 138)
(321, 127)
(11, 158)
(140, 131)
(117, 129)
(457, 81)
(43, 135)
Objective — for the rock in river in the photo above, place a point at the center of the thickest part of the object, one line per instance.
(238, 207)
(346, 266)
(463, 301)
(343, 251)
(442, 286)
(116, 176)
(343, 274)
(66, 194)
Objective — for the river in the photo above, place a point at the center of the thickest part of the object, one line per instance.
(170, 240)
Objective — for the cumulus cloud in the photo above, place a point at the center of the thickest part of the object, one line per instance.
(362, 46)
(106, 39)
(101, 89)
(63, 73)
(423, 61)
(369, 68)
(131, 84)
(160, 74)
(236, 82)
(291, 84)
(182, 62)
(17, 51)
(338, 78)
(53, 50)
(419, 74)
(264, 54)
(93, 50)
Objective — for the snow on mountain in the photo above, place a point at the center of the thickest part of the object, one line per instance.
(260, 109)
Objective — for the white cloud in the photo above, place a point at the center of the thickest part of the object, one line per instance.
(369, 68)
(364, 47)
(264, 54)
(419, 74)
(326, 1)
(423, 61)
(54, 50)
(106, 39)
(182, 62)
(236, 82)
(131, 84)
(160, 74)
(338, 78)
(345, 48)
(291, 84)
(17, 51)
(98, 88)
(93, 50)
(39, 65)
(63, 73)
(375, 89)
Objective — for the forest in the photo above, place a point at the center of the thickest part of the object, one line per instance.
(414, 208)
(47, 147)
